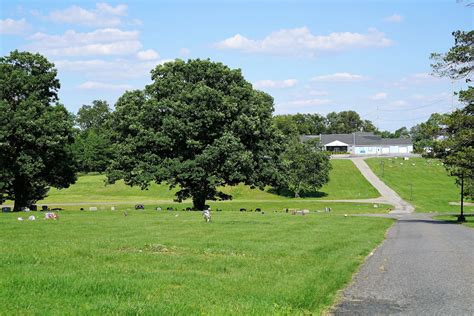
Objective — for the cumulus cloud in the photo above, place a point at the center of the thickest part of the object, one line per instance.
(318, 93)
(109, 69)
(13, 27)
(379, 96)
(148, 54)
(394, 18)
(399, 103)
(339, 77)
(308, 102)
(416, 79)
(109, 41)
(102, 16)
(275, 84)
(300, 41)
(94, 85)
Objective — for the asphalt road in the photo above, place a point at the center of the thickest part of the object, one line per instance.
(387, 194)
(424, 267)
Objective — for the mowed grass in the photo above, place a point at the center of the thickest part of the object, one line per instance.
(432, 188)
(454, 219)
(346, 182)
(170, 263)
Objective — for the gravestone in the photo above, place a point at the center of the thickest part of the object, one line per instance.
(6, 209)
(92, 208)
(44, 207)
(139, 207)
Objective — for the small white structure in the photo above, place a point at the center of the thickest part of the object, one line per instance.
(363, 143)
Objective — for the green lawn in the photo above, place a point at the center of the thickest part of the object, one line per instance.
(169, 263)
(346, 182)
(454, 218)
(422, 182)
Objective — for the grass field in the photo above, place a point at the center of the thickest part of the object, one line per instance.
(454, 218)
(346, 182)
(422, 182)
(173, 263)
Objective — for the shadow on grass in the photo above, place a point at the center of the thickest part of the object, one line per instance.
(287, 193)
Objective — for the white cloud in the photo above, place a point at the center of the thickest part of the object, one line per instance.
(339, 77)
(416, 79)
(109, 70)
(102, 16)
(109, 41)
(94, 85)
(184, 52)
(394, 18)
(13, 27)
(148, 54)
(275, 84)
(300, 41)
(379, 96)
(317, 93)
(308, 102)
(399, 103)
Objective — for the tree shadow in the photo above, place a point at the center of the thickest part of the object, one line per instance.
(287, 193)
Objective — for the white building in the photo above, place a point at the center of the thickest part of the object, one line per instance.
(363, 143)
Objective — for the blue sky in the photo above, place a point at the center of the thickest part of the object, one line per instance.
(311, 56)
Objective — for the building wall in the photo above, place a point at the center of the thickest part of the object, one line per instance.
(377, 150)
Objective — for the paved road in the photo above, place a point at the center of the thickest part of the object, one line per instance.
(424, 267)
(388, 195)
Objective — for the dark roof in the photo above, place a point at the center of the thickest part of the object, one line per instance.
(359, 138)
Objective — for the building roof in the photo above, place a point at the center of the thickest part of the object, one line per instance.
(359, 139)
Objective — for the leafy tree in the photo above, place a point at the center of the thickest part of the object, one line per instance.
(457, 62)
(347, 122)
(92, 147)
(199, 126)
(93, 116)
(457, 148)
(426, 134)
(305, 166)
(35, 131)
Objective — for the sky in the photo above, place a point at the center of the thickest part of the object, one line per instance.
(311, 56)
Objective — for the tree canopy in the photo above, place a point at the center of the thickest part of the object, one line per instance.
(457, 147)
(198, 126)
(305, 167)
(92, 141)
(35, 131)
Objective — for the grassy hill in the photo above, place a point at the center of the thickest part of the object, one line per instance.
(346, 182)
(422, 182)
(172, 263)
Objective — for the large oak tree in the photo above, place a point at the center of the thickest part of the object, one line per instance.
(35, 131)
(198, 126)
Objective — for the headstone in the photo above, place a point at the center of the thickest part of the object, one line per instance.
(258, 209)
(139, 207)
(44, 207)
(92, 208)
(243, 210)
(112, 208)
(6, 209)
(32, 218)
(158, 208)
(34, 207)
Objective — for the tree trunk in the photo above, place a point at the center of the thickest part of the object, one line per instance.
(20, 199)
(199, 202)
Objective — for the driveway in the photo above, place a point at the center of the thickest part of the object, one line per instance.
(387, 194)
(424, 267)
